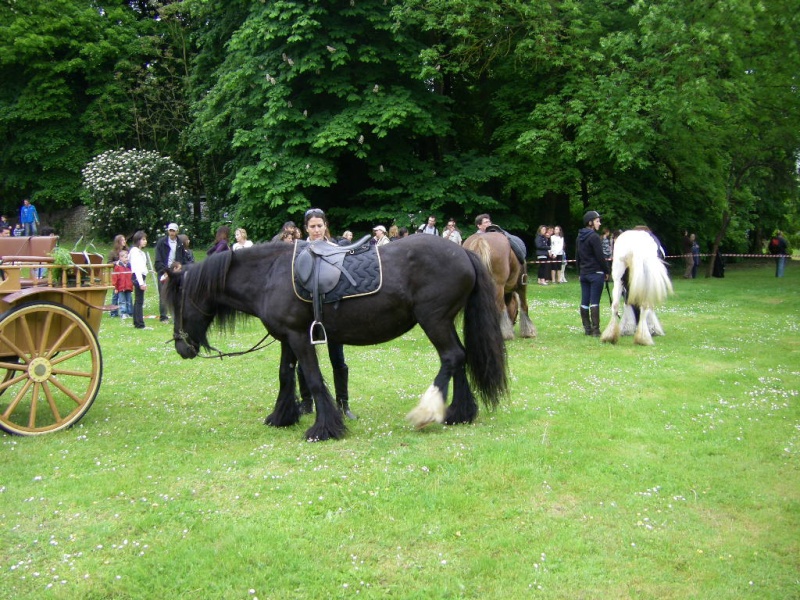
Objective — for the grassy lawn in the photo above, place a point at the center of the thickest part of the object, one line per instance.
(670, 471)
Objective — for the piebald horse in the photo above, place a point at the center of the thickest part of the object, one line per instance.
(641, 276)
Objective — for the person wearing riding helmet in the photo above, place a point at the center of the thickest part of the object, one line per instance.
(593, 269)
(316, 225)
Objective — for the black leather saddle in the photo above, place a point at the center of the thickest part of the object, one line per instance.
(517, 245)
(326, 273)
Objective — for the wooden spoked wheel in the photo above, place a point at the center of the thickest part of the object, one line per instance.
(53, 368)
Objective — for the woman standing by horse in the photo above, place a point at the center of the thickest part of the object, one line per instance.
(221, 240)
(593, 270)
(316, 225)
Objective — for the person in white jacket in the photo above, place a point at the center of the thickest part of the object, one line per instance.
(139, 270)
(556, 253)
(451, 232)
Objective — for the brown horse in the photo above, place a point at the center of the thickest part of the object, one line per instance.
(510, 281)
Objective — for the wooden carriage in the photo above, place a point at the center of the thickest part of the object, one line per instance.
(50, 361)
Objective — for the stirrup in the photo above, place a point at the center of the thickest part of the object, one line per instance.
(318, 328)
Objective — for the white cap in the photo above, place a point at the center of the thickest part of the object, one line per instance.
(172, 227)
(379, 228)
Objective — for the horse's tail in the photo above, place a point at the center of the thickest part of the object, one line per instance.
(648, 280)
(481, 247)
(486, 350)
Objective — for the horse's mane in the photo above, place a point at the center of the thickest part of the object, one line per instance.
(204, 283)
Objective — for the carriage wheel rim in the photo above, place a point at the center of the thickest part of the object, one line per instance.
(54, 372)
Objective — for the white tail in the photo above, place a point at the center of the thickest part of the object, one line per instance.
(649, 282)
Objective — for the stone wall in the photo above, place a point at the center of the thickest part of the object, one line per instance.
(69, 223)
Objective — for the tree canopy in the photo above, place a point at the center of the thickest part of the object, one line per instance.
(674, 114)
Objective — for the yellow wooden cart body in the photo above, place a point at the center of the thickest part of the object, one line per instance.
(49, 319)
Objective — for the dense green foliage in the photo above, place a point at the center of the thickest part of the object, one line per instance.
(668, 113)
(65, 67)
(135, 189)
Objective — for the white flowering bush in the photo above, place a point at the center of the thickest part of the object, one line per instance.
(128, 190)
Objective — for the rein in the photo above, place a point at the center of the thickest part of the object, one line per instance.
(184, 337)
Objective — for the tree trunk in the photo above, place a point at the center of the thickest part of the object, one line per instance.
(726, 220)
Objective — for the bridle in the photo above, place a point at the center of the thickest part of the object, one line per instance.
(182, 336)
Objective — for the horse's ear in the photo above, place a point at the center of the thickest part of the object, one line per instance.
(171, 280)
(173, 275)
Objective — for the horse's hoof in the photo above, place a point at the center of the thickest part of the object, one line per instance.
(321, 433)
(420, 425)
(421, 417)
(350, 415)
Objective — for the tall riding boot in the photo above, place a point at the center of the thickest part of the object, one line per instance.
(306, 400)
(340, 377)
(595, 314)
(587, 324)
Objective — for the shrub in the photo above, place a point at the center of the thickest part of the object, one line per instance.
(128, 190)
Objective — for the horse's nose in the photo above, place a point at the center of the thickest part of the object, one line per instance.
(184, 349)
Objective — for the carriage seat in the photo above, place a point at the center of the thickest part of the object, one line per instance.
(28, 246)
(27, 251)
(91, 274)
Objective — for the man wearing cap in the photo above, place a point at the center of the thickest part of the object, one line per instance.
(379, 238)
(593, 269)
(168, 252)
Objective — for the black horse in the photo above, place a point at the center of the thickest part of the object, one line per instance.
(425, 280)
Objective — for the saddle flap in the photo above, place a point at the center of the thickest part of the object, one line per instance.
(329, 270)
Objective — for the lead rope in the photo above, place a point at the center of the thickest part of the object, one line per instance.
(183, 336)
(260, 345)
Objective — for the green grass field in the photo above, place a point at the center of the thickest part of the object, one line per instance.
(665, 472)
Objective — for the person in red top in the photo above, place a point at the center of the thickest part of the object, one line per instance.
(122, 279)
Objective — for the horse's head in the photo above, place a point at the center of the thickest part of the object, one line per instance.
(191, 320)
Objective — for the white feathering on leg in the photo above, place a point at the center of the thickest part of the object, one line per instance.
(655, 324)
(429, 410)
(506, 327)
(642, 335)
(628, 325)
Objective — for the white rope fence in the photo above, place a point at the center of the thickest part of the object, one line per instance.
(675, 256)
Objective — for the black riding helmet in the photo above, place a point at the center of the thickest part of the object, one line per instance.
(590, 216)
